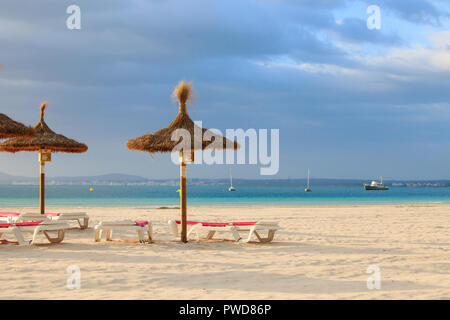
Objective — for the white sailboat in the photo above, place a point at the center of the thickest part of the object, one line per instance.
(231, 188)
(308, 188)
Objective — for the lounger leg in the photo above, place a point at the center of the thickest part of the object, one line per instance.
(235, 234)
(58, 239)
(35, 234)
(150, 232)
(190, 230)
(194, 229)
(140, 236)
(18, 235)
(108, 235)
(258, 236)
(61, 234)
(250, 233)
(85, 223)
(97, 235)
(270, 235)
(1, 236)
(173, 227)
(211, 234)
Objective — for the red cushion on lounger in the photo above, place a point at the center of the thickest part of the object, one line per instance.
(5, 225)
(26, 224)
(20, 224)
(205, 224)
(214, 224)
(141, 223)
(8, 214)
(47, 213)
(187, 222)
(251, 223)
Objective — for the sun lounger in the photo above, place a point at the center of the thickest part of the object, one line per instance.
(11, 217)
(233, 227)
(211, 227)
(81, 217)
(255, 228)
(18, 228)
(141, 227)
(5, 216)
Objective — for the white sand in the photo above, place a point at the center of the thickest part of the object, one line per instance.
(321, 253)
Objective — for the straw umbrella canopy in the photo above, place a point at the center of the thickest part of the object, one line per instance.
(12, 129)
(161, 141)
(45, 142)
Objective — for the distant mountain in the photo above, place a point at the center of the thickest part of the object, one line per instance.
(7, 179)
(113, 178)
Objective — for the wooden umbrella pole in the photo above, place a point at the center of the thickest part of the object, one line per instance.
(183, 200)
(42, 185)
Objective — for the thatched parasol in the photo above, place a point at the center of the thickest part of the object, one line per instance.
(11, 129)
(45, 142)
(161, 141)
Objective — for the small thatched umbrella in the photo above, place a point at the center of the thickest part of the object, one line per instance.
(12, 129)
(45, 142)
(161, 141)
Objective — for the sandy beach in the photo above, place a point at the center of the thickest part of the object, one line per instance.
(322, 252)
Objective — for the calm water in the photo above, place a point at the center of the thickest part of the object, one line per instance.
(28, 196)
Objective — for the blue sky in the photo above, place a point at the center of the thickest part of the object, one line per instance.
(349, 102)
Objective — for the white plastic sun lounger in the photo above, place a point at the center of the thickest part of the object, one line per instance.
(11, 217)
(211, 227)
(141, 227)
(81, 217)
(18, 228)
(253, 228)
(7, 216)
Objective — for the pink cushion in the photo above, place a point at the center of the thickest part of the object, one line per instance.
(20, 224)
(205, 224)
(141, 223)
(214, 224)
(250, 223)
(26, 224)
(8, 214)
(218, 224)
(47, 213)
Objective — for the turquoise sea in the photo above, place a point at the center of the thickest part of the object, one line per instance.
(77, 195)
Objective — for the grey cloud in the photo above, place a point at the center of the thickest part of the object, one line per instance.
(112, 80)
(129, 44)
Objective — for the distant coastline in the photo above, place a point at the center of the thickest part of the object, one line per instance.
(132, 180)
